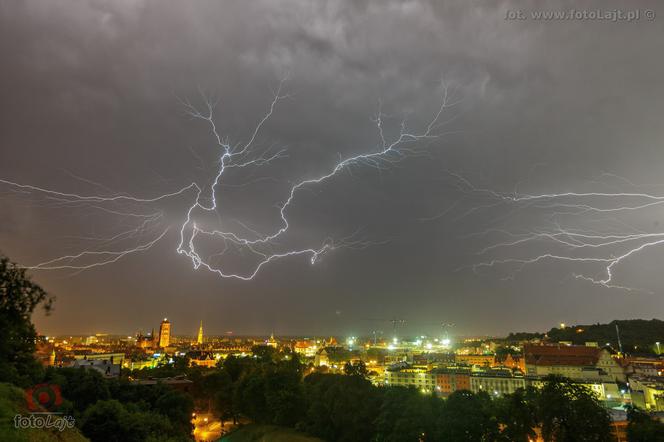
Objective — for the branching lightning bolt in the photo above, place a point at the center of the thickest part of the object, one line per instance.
(581, 228)
(262, 248)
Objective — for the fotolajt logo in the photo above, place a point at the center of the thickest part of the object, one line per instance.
(43, 397)
(43, 401)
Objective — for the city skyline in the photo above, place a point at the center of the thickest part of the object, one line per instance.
(533, 202)
(406, 332)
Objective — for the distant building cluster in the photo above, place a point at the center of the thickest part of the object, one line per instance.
(434, 366)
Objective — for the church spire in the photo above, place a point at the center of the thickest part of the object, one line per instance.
(199, 340)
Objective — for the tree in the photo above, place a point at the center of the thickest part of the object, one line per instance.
(180, 364)
(467, 417)
(517, 412)
(177, 407)
(406, 415)
(104, 421)
(19, 297)
(83, 387)
(571, 412)
(250, 397)
(284, 395)
(643, 428)
(340, 408)
(504, 350)
(357, 368)
(221, 387)
(236, 367)
(110, 421)
(264, 353)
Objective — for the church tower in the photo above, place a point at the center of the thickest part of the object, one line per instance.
(164, 333)
(199, 340)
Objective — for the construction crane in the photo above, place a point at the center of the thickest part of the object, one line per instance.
(446, 329)
(375, 333)
(396, 323)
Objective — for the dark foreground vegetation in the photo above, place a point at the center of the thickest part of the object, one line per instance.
(273, 388)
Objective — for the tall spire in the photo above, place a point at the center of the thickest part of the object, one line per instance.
(199, 341)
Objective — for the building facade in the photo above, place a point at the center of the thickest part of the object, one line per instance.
(496, 383)
(449, 381)
(577, 362)
(421, 378)
(164, 333)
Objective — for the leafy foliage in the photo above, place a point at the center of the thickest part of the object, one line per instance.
(570, 412)
(339, 407)
(19, 297)
(406, 414)
(357, 368)
(643, 428)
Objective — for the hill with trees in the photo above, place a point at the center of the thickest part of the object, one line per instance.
(636, 335)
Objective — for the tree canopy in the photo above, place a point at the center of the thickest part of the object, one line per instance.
(19, 297)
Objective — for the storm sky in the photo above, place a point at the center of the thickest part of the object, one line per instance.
(91, 103)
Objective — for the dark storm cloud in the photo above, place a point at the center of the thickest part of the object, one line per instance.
(90, 89)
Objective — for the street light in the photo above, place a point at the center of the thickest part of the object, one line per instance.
(657, 344)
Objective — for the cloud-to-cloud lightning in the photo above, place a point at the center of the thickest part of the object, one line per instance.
(261, 248)
(595, 232)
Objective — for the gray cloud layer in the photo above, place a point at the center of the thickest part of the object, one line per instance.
(90, 89)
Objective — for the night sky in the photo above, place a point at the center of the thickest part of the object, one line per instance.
(91, 103)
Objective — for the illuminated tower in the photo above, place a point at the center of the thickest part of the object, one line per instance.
(51, 359)
(199, 340)
(164, 333)
(271, 342)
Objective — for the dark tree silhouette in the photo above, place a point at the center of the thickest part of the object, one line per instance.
(19, 297)
(643, 428)
(571, 412)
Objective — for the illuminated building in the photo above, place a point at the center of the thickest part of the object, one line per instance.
(496, 382)
(145, 341)
(271, 342)
(51, 358)
(199, 339)
(202, 359)
(576, 362)
(511, 361)
(91, 340)
(305, 347)
(107, 364)
(164, 333)
(322, 358)
(113, 358)
(404, 376)
(475, 359)
(449, 381)
(139, 365)
(647, 392)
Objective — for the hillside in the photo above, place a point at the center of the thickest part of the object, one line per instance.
(636, 335)
(12, 402)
